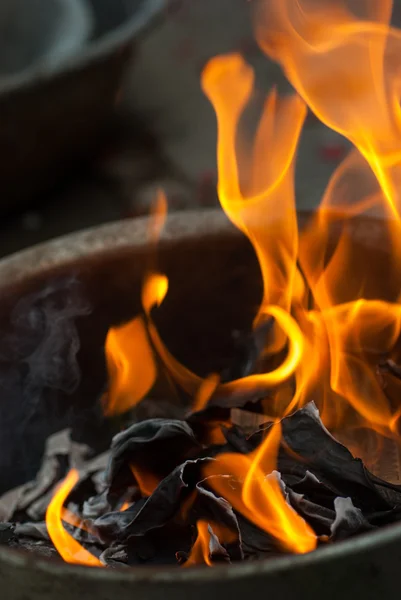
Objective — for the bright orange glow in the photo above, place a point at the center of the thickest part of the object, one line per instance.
(200, 552)
(341, 312)
(154, 291)
(72, 519)
(258, 495)
(158, 217)
(345, 68)
(131, 366)
(344, 65)
(266, 212)
(287, 368)
(68, 548)
(205, 392)
(130, 360)
(147, 482)
(334, 299)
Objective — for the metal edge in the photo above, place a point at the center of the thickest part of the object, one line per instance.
(139, 24)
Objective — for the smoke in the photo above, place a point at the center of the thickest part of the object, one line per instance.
(38, 360)
(45, 323)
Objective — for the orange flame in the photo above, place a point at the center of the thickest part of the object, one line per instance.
(68, 548)
(336, 306)
(129, 356)
(200, 552)
(258, 496)
(267, 213)
(153, 294)
(131, 366)
(345, 67)
(75, 520)
(158, 217)
(205, 392)
(147, 482)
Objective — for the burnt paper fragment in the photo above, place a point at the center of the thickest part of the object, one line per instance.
(156, 547)
(217, 551)
(96, 506)
(35, 531)
(144, 445)
(37, 547)
(390, 492)
(31, 499)
(320, 518)
(6, 533)
(156, 510)
(208, 506)
(114, 556)
(349, 520)
(217, 417)
(329, 460)
(256, 543)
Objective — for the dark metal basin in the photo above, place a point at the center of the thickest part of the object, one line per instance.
(214, 287)
(52, 116)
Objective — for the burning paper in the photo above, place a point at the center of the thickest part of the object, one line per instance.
(320, 366)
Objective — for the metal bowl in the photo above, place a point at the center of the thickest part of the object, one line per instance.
(35, 34)
(53, 113)
(214, 287)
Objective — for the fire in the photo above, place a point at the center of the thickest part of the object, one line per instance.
(129, 355)
(227, 82)
(200, 553)
(336, 310)
(147, 482)
(205, 392)
(208, 535)
(344, 66)
(68, 548)
(72, 519)
(158, 220)
(154, 291)
(131, 366)
(256, 493)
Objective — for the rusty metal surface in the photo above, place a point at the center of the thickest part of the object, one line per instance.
(367, 565)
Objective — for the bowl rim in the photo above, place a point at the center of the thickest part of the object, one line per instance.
(137, 24)
(131, 235)
(78, 23)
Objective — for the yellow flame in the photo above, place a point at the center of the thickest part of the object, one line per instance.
(68, 548)
(131, 366)
(200, 553)
(259, 497)
(266, 215)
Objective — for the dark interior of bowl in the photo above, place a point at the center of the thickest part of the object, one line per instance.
(53, 328)
(47, 383)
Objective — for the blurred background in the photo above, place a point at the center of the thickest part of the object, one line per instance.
(100, 104)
